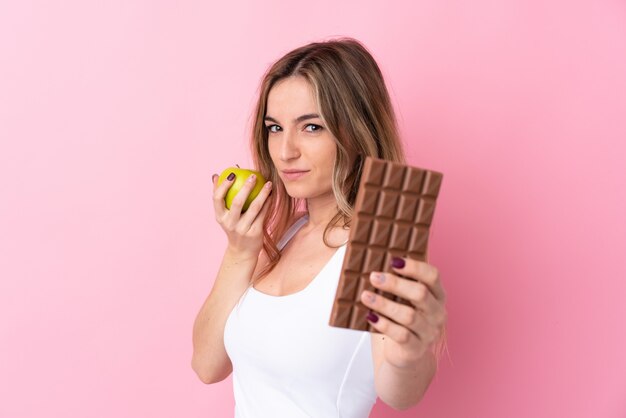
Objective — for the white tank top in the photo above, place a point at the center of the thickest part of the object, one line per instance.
(288, 362)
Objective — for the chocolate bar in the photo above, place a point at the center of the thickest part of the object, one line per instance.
(393, 212)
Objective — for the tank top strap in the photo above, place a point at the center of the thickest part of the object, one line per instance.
(292, 231)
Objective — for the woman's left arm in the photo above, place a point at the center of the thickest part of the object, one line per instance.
(404, 358)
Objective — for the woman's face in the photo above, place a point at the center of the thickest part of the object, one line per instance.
(297, 139)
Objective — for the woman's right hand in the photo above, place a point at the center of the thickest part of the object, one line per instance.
(244, 230)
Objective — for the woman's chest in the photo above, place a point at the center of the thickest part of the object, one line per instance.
(294, 272)
(291, 335)
(291, 338)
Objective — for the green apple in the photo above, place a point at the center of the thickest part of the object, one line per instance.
(241, 175)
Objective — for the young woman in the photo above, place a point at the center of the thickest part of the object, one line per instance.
(322, 109)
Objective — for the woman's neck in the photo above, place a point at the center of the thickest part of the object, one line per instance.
(321, 210)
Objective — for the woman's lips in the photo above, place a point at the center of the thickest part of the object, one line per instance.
(294, 175)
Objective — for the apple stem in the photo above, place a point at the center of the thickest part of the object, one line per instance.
(237, 165)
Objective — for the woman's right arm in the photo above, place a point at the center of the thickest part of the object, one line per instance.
(240, 262)
(210, 361)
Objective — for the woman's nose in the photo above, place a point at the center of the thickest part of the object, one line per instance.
(289, 149)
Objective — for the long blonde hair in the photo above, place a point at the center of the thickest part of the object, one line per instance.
(355, 107)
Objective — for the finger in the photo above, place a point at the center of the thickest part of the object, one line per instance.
(421, 271)
(219, 192)
(255, 207)
(416, 292)
(257, 225)
(398, 333)
(239, 200)
(397, 312)
(401, 314)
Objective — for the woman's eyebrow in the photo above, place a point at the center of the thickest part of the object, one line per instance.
(298, 119)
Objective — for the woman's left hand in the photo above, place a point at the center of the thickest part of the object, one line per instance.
(411, 330)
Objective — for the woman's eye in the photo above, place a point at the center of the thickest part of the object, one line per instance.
(272, 128)
(313, 128)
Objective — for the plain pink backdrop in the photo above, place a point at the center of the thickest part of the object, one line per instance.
(114, 115)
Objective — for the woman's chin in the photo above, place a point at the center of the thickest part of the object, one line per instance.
(296, 195)
(305, 193)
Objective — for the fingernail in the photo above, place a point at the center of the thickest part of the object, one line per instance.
(372, 317)
(213, 177)
(370, 297)
(378, 277)
(230, 176)
(397, 262)
(251, 178)
(268, 185)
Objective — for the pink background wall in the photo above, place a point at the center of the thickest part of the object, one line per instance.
(114, 115)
